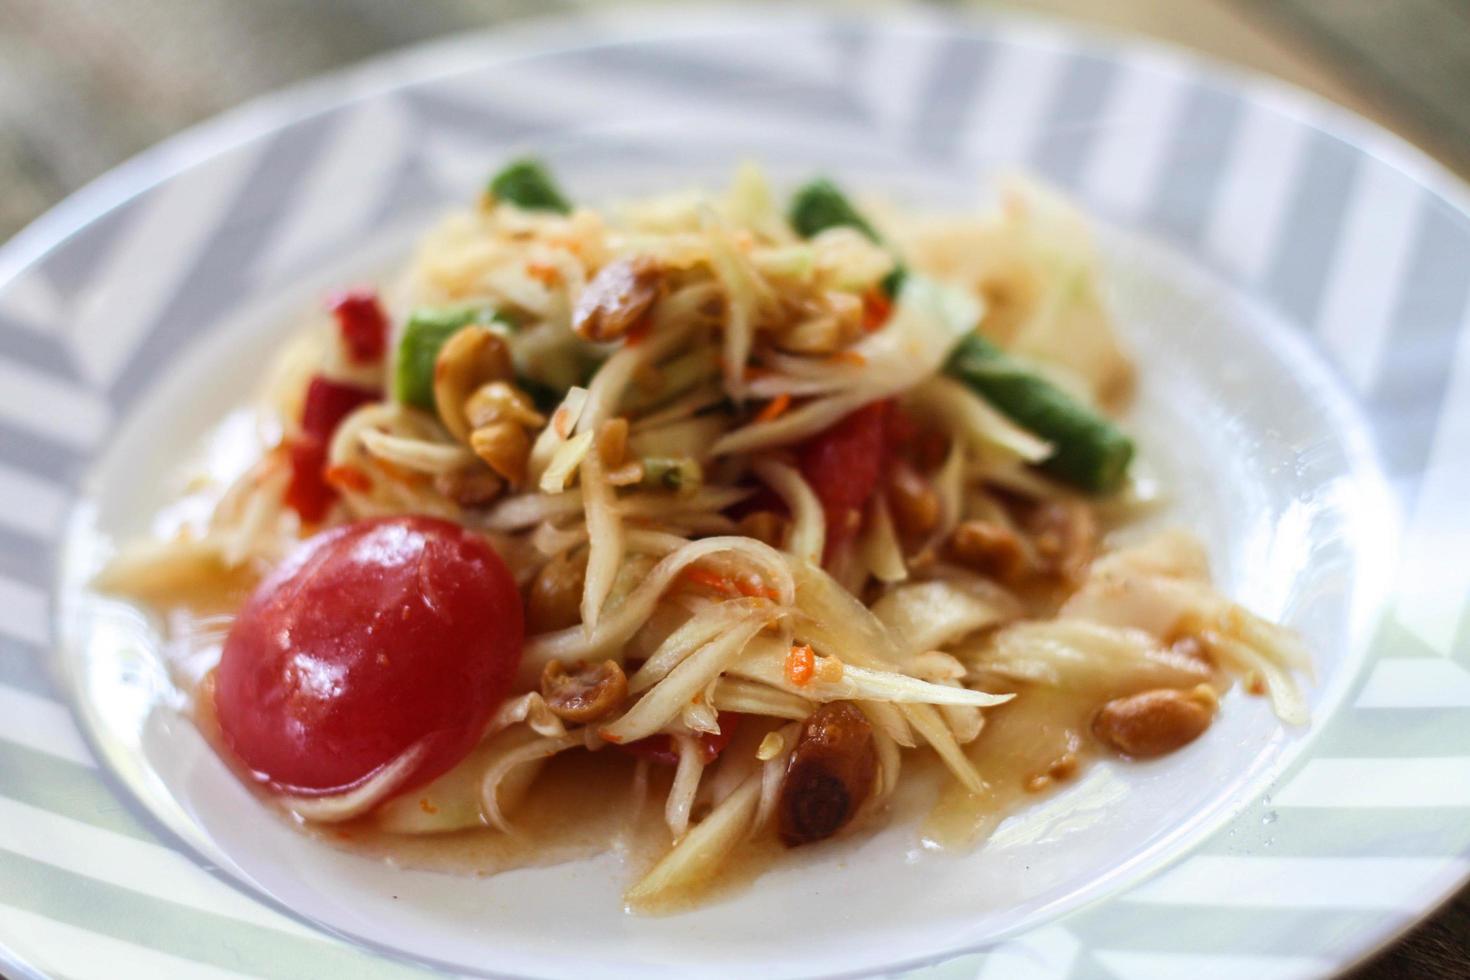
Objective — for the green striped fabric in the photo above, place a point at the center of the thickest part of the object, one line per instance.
(1355, 241)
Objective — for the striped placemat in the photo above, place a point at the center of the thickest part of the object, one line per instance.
(1354, 240)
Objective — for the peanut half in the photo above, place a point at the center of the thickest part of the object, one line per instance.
(1154, 723)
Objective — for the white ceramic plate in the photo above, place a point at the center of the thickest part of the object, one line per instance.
(1293, 282)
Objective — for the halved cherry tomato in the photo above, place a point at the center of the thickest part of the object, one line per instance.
(362, 323)
(660, 749)
(842, 464)
(371, 639)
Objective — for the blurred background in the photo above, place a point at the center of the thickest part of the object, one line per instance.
(84, 84)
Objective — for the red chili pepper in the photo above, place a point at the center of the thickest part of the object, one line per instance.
(327, 403)
(842, 464)
(308, 493)
(363, 325)
(660, 750)
(876, 309)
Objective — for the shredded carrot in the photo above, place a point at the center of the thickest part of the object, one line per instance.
(851, 357)
(711, 580)
(801, 664)
(547, 275)
(774, 408)
(876, 310)
(348, 477)
(427, 807)
(750, 587)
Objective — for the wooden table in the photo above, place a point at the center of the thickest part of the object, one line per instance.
(85, 84)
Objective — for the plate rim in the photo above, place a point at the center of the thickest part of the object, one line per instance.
(425, 61)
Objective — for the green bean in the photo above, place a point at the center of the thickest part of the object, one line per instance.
(819, 205)
(1089, 451)
(428, 328)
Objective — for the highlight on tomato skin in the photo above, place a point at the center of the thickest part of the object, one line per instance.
(371, 639)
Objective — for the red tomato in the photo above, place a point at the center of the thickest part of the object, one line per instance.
(921, 445)
(843, 464)
(370, 639)
(660, 748)
(327, 403)
(363, 325)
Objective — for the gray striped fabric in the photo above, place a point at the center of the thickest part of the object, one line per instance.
(1352, 239)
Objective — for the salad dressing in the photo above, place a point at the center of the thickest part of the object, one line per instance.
(584, 804)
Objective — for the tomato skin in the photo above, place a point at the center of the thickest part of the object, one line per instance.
(370, 639)
(843, 464)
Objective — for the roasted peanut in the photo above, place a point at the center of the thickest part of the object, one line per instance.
(990, 549)
(618, 297)
(501, 401)
(469, 488)
(472, 357)
(1064, 533)
(505, 447)
(911, 500)
(554, 600)
(831, 772)
(586, 693)
(1064, 767)
(1153, 723)
(1059, 770)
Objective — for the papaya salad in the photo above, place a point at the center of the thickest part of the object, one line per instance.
(755, 506)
